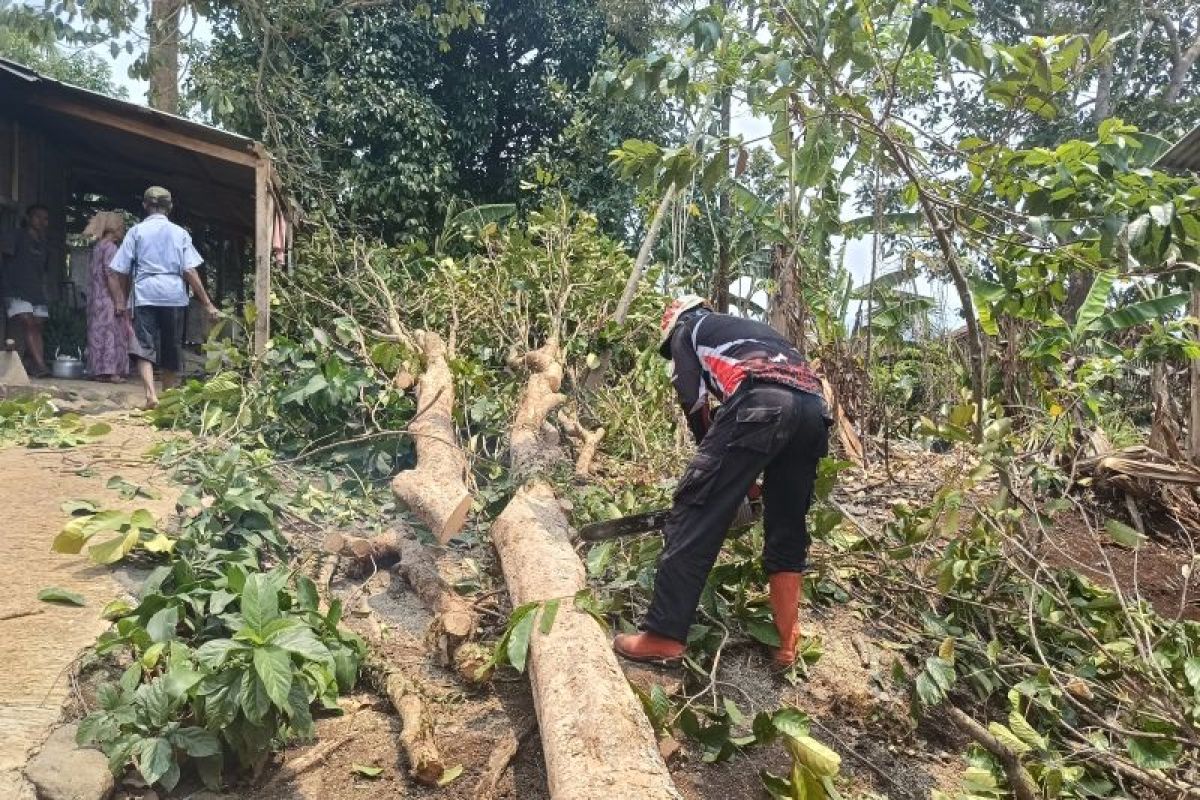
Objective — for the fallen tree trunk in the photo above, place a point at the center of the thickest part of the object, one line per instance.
(595, 737)
(436, 490)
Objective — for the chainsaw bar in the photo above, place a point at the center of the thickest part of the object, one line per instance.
(624, 526)
(749, 512)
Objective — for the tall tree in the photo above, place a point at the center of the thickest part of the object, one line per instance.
(162, 54)
(376, 114)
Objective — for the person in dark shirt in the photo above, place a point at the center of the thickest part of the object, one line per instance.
(26, 261)
(772, 421)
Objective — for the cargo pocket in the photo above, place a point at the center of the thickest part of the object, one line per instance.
(755, 428)
(697, 480)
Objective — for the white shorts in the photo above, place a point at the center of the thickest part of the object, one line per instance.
(18, 306)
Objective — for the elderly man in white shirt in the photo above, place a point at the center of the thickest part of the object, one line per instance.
(158, 260)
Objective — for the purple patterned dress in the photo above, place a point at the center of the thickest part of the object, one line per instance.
(107, 344)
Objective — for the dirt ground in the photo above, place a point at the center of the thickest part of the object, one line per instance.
(41, 640)
(847, 692)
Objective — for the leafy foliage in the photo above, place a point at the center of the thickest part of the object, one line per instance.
(36, 423)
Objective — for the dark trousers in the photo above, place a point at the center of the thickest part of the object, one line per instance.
(764, 427)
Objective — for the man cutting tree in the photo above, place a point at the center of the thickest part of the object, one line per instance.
(772, 421)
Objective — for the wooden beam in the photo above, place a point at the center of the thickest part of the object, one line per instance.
(139, 127)
(264, 217)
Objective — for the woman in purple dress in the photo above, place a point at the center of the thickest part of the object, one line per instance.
(108, 337)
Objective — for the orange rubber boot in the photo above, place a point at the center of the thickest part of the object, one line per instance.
(785, 607)
(648, 647)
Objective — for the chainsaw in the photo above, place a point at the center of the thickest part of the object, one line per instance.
(749, 512)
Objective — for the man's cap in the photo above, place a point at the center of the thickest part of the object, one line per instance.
(156, 194)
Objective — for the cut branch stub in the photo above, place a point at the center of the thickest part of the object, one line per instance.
(588, 442)
(436, 490)
(533, 443)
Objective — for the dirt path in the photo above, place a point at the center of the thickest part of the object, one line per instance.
(40, 640)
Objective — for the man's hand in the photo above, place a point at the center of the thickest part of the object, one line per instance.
(213, 312)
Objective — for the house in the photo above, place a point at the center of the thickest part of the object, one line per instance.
(76, 151)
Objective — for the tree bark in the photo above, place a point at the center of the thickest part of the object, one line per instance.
(421, 753)
(595, 737)
(941, 234)
(533, 442)
(643, 256)
(436, 490)
(720, 293)
(588, 442)
(163, 54)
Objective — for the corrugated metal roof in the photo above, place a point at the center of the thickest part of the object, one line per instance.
(160, 119)
(1184, 155)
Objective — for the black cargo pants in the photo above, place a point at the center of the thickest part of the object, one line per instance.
(763, 427)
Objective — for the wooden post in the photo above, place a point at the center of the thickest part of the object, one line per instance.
(263, 219)
(1194, 424)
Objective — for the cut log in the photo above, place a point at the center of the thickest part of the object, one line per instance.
(453, 618)
(425, 763)
(436, 490)
(595, 736)
(382, 551)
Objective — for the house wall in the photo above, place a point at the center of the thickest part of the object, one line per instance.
(32, 171)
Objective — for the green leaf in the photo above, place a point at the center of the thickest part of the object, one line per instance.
(1095, 303)
(255, 700)
(1141, 313)
(214, 653)
(301, 641)
(1153, 753)
(55, 594)
(306, 593)
(1163, 213)
(75, 507)
(1008, 738)
(72, 537)
(517, 648)
(450, 775)
(365, 771)
(274, 667)
(819, 759)
(260, 602)
(196, 742)
(791, 722)
(918, 30)
(115, 549)
(155, 759)
(764, 632)
(1024, 731)
(1122, 534)
(1191, 670)
(161, 626)
(549, 613)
